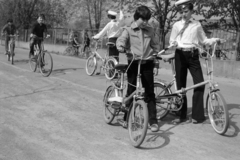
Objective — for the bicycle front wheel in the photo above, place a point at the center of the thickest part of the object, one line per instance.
(91, 65)
(108, 111)
(12, 52)
(162, 104)
(33, 63)
(46, 64)
(217, 112)
(138, 123)
(110, 70)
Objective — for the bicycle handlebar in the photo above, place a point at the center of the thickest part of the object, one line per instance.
(220, 41)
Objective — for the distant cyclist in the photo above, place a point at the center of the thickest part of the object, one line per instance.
(8, 29)
(37, 32)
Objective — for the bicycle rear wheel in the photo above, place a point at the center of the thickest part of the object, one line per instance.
(91, 65)
(110, 71)
(69, 50)
(33, 63)
(162, 105)
(108, 111)
(217, 112)
(138, 123)
(46, 64)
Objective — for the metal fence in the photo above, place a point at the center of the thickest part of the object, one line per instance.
(60, 36)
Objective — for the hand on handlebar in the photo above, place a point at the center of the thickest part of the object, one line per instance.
(220, 41)
(121, 50)
(47, 36)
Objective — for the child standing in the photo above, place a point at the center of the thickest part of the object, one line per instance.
(140, 39)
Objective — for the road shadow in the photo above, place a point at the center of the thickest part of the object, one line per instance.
(233, 129)
(21, 61)
(47, 88)
(63, 71)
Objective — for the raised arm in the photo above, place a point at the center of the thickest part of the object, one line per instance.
(102, 32)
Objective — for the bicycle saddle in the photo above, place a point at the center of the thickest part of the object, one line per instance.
(168, 56)
(121, 67)
(110, 44)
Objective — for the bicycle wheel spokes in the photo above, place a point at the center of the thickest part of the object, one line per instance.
(162, 105)
(91, 65)
(218, 112)
(46, 64)
(110, 71)
(138, 123)
(108, 111)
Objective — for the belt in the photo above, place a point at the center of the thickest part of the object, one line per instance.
(187, 49)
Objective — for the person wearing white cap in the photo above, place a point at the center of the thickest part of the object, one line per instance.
(113, 31)
(183, 34)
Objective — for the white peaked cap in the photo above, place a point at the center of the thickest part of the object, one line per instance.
(181, 2)
(112, 13)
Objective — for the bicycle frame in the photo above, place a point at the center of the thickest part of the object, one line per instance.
(182, 92)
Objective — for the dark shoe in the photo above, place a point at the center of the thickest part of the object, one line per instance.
(197, 121)
(179, 120)
(154, 127)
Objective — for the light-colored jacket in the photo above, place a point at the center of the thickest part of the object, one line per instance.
(141, 41)
(112, 29)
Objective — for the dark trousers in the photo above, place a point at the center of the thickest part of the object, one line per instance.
(113, 49)
(7, 39)
(147, 79)
(185, 60)
(34, 41)
(85, 46)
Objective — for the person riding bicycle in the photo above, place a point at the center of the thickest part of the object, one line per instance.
(75, 42)
(86, 41)
(113, 31)
(8, 29)
(37, 32)
(184, 33)
(140, 32)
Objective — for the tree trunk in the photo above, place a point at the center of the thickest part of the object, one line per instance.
(162, 39)
(238, 46)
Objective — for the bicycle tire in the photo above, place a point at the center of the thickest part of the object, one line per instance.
(107, 106)
(213, 112)
(46, 64)
(162, 108)
(12, 53)
(91, 63)
(110, 71)
(138, 106)
(68, 50)
(33, 63)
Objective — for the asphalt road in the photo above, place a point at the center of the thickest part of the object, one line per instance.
(60, 118)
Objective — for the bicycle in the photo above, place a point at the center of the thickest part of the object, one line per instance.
(137, 114)
(72, 50)
(86, 54)
(41, 59)
(216, 106)
(11, 45)
(108, 63)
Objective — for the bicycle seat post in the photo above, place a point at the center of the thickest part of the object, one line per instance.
(139, 87)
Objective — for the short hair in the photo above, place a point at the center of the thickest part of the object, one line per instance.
(142, 12)
(9, 20)
(41, 15)
(184, 6)
(111, 16)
